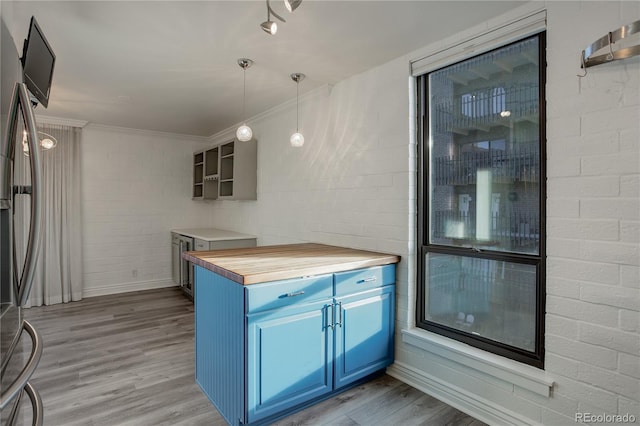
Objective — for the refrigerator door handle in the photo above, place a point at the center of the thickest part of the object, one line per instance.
(21, 99)
(36, 404)
(27, 371)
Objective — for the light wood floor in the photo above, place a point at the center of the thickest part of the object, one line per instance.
(128, 360)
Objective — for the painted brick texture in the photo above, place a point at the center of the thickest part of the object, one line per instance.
(594, 251)
(135, 188)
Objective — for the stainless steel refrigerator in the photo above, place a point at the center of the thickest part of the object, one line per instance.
(20, 199)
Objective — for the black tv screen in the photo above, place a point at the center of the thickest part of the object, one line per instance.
(38, 60)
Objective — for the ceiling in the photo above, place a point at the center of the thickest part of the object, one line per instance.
(171, 66)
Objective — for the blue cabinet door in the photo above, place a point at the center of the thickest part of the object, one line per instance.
(364, 334)
(290, 357)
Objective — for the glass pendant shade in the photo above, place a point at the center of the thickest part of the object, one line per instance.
(244, 133)
(297, 140)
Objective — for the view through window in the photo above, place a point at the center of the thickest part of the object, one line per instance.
(481, 201)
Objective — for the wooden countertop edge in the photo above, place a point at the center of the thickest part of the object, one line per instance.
(289, 272)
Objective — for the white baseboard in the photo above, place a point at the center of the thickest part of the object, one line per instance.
(480, 408)
(127, 287)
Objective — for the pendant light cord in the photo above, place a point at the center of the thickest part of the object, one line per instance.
(244, 93)
(297, 105)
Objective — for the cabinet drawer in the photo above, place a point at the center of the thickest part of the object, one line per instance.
(276, 294)
(364, 279)
(200, 245)
(231, 244)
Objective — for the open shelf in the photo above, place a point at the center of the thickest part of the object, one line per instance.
(211, 162)
(227, 170)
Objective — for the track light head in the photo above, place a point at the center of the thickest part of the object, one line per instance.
(269, 27)
(292, 5)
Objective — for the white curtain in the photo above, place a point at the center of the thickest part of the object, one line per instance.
(58, 277)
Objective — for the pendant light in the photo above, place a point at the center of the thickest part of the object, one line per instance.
(297, 140)
(244, 132)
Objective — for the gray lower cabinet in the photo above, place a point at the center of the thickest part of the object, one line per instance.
(186, 240)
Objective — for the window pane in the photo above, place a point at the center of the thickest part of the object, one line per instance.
(484, 158)
(488, 298)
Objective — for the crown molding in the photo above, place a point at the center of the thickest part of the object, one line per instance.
(144, 132)
(45, 119)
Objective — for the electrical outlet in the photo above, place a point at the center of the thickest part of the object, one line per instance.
(134, 273)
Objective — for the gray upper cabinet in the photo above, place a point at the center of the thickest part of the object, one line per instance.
(198, 168)
(227, 171)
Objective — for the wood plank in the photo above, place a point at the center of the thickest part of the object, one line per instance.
(332, 410)
(378, 409)
(135, 366)
(270, 263)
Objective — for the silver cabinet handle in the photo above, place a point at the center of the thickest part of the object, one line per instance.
(339, 322)
(295, 293)
(180, 263)
(366, 280)
(21, 381)
(21, 99)
(330, 319)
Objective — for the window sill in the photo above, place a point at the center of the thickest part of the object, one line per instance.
(521, 375)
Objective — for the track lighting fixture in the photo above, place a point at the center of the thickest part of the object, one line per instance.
(269, 26)
(297, 139)
(292, 5)
(244, 132)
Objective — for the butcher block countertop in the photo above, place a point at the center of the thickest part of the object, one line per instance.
(270, 263)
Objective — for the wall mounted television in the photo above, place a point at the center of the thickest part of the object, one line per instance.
(38, 61)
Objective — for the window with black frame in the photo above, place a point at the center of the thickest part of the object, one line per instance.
(481, 199)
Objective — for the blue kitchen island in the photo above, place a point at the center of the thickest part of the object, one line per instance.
(279, 328)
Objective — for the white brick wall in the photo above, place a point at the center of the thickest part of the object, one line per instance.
(136, 187)
(353, 184)
(598, 365)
